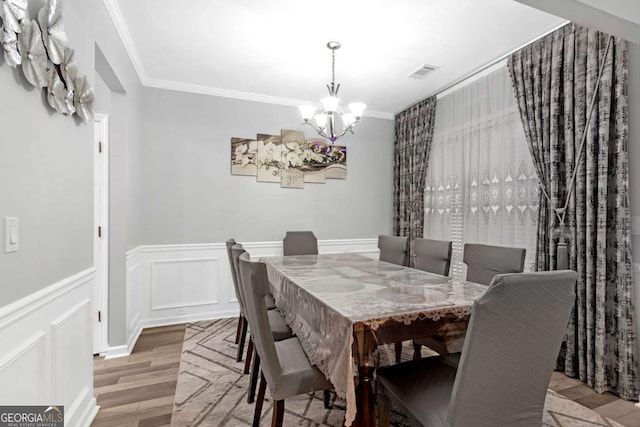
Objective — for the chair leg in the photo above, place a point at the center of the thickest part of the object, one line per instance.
(398, 352)
(257, 413)
(250, 350)
(239, 330)
(327, 400)
(417, 351)
(278, 413)
(241, 339)
(254, 378)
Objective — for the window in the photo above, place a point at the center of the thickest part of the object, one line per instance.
(481, 183)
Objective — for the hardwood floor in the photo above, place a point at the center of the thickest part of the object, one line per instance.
(606, 404)
(138, 391)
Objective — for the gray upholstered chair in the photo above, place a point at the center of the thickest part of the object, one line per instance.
(269, 300)
(241, 332)
(485, 261)
(509, 353)
(299, 243)
(277, 324)
(394, 249)
(433, 256)
(285, 367)
(242, 322)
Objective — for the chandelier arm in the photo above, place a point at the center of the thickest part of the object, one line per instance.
(316, 128)
(344, 132)
(330, 134)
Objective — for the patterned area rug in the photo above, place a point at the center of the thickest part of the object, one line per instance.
(212, 390)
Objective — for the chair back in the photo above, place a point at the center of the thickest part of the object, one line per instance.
(484, 261)
(300, 243)
(234, 277)
(394, 249)
(255, 287)
(433, 256)
(510, 350)
(236, 251)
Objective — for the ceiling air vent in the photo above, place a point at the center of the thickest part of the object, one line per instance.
(422, 71)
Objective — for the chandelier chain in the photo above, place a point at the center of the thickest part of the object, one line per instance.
(333, 66)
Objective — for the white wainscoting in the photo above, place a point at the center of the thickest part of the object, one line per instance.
(46, 346)
(170, 284)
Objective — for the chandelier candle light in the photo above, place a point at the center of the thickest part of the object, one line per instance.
(325, 122)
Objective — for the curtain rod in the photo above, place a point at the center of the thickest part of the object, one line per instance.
(484, 67)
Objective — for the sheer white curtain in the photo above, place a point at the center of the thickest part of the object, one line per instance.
(481, 183)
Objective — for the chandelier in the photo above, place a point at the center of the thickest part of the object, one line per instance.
(325, 122)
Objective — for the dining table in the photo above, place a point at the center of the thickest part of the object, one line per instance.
(343, 306)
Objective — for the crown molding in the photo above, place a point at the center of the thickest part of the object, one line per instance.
(245, 96)
(125, 36)
(224, 93)
(123, 31)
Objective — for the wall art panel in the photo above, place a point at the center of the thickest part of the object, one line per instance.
(288, 158)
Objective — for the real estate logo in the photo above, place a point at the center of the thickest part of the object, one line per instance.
(31, 416)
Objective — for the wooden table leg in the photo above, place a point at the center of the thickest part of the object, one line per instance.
(365, 397)
(364, 345)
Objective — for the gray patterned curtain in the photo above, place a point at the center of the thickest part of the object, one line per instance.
(554, 80)
(414, 133)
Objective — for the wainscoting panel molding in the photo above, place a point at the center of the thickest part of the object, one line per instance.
(30, 360)
(170, 284)
(73, 329)
(46, 346)
(184, 282)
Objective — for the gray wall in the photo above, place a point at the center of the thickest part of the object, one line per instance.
(103, 96)
(190, 195)
(46, 170)
(46, 180)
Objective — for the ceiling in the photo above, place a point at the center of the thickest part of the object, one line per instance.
(275, 51)
(625, 9)
(617, 17)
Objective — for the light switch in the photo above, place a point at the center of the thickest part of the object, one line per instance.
(10, 234)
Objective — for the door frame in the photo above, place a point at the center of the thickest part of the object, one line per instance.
(101, 243)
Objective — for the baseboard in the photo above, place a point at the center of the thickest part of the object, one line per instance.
(117, 351)
(89, 414)
(82, 414)
(125, 350)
